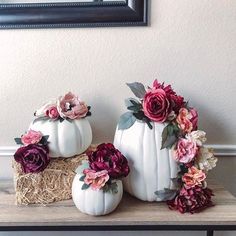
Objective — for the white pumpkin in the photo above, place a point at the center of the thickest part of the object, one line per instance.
(95, 202)
(151, 169)
(67, 138)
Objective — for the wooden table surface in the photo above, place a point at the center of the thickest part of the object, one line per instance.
(131, 212)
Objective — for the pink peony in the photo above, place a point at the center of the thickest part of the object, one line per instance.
(52, 112)
(185, 151)
(96, 180)
(191, 200)
(187, 120)
(69, 106)
(156, 105)
(31, 137)
(193, 177)
(176, 101)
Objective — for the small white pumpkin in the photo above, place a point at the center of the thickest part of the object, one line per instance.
(94, 202)
(151, 169)
(67, 138)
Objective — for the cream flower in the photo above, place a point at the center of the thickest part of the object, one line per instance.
(205, 160)
(198, 136)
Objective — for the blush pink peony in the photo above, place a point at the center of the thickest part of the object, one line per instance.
(187, 120)
(193, 177)
(156, 105)
(70, 106)
(96, 180)
(185, 151)
(31, 137)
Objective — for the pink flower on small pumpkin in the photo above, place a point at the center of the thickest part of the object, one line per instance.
(96, 180)
(185, 151)
(194, 177)
(70, 106)
(52, 112)
(31, 137)
(187, 120)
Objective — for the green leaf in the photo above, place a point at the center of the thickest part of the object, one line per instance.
(137, 88)
(82, 178)
(111, 188)
(166, 194)
(85, 186)
(126, 120)
(169, 142)
(84, 165)
(131, 101)
(44, 140)
(18, 141)
(169, 135)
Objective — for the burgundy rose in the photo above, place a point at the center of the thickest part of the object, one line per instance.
(176, 101)
(156, 105)
(33, 158)
(107, 157)
(191, 200)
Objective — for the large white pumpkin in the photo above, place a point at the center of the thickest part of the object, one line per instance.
(67, 138)
(151, 169)
(95, 202)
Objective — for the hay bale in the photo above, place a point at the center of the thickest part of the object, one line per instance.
(51, 185)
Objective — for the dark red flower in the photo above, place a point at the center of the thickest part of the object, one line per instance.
(33, 158)
(176, 101)
(107, 157)
(191, 200)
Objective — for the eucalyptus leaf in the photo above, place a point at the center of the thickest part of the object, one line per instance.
(18, 141)
(169, 142)
(137, 88)
(82, 178)
(85, 186)
(126, 121)
(166, 194)
(44, 140)
(131, 101)
(84, 165)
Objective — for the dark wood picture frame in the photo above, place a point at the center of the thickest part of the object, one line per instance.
(69, 15)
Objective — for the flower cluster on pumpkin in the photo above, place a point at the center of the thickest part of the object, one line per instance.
(68, 107)
(33, 155)
(163, 105)
(105, 164)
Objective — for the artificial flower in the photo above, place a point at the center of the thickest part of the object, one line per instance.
(205, 160)
(70, 106)
(176, 101)
(33, 158)
(41, 112)
(156, 105)
(107, 157)
(193, 177)
(96, 180)
(191, 200)
(187, 120)
(31, 137)
(185, 150)
(197, 136)
(52, 112)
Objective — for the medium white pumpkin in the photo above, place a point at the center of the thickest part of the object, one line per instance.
(95, 202)
(151, 169)
(67, 138)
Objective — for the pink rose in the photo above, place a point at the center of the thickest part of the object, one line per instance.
(156, 105)
(176, 101)
(31, 137)
(193, 177)
(185, 151)
(52, 112)
(187, 120)
(71, 107)
(96, 180)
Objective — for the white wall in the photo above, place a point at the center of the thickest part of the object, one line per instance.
(190, 44)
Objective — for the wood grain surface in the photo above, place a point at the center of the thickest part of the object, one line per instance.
(130, 212)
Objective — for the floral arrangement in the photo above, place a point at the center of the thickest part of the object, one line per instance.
(160, 103)
(67, 107)
(104, 165)
(33, 155)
